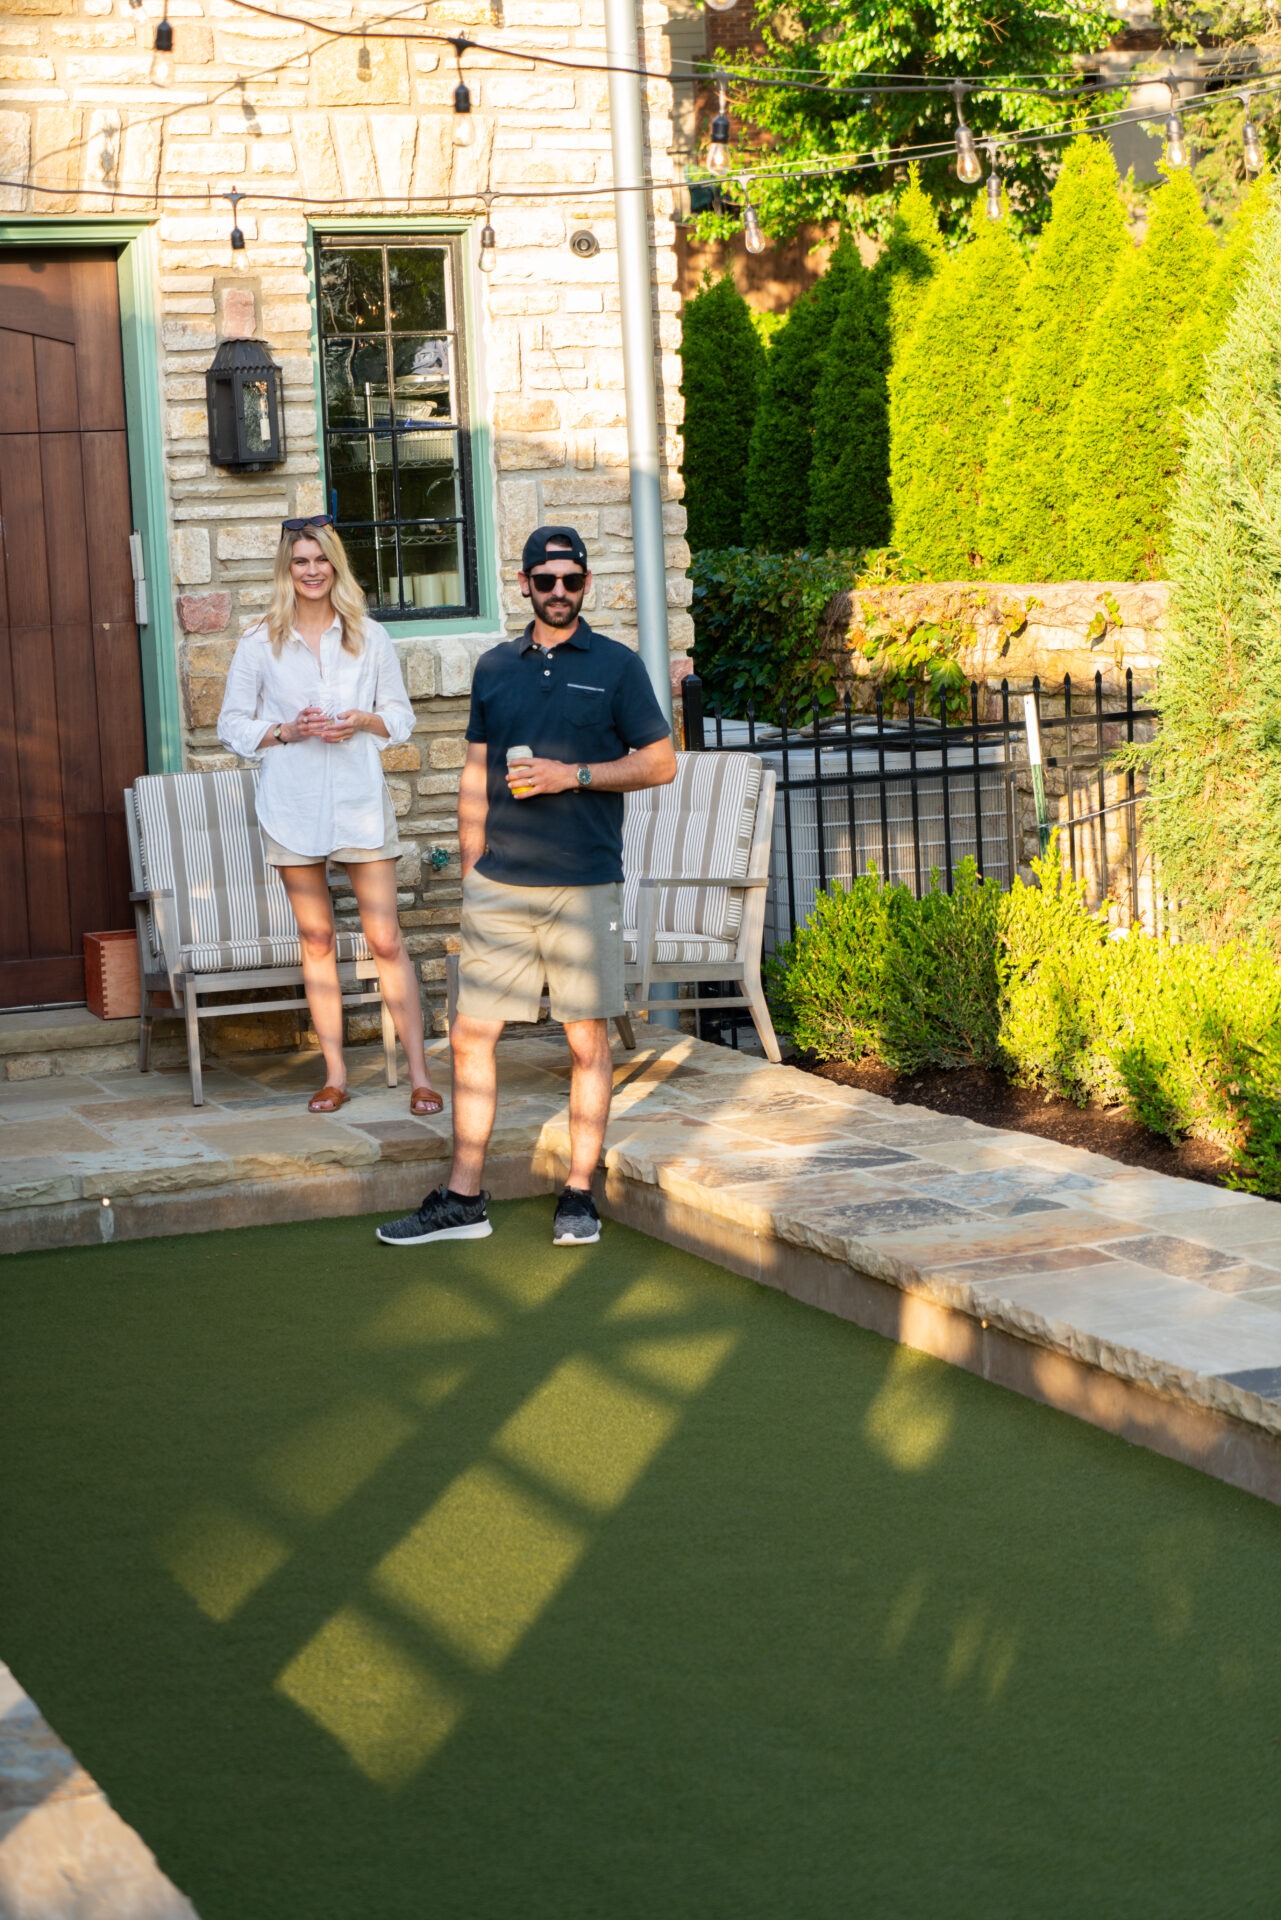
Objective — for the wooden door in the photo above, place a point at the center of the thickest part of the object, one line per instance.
(71, 727)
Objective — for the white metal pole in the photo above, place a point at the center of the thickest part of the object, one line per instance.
(635, 291)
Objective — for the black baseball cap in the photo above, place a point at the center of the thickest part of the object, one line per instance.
(535, 550)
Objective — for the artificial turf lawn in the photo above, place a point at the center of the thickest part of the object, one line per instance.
(493, 1580)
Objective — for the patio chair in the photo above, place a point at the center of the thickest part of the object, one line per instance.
(695, 870)
(214, 918)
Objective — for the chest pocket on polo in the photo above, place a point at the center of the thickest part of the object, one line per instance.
(586, 705)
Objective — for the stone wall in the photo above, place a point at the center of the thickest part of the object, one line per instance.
(275, 108)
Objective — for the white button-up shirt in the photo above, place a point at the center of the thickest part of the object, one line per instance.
(316, 795)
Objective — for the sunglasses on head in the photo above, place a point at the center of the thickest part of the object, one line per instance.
(548, 582)
(312, 520)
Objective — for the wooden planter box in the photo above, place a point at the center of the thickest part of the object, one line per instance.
(112, 987)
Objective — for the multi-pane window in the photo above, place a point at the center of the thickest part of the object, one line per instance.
(396, 441)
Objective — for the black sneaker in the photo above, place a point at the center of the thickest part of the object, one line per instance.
(577, 1222)
(442, 1216)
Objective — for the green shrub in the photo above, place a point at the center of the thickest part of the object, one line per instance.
(722, 361)
(947, 396)
(910, 982)
(1187, 1037)
(1127, 433)
(914, 252)
(1206, 325)
(849, 504)
(1022, 532)
(775, 514)
(756, 629)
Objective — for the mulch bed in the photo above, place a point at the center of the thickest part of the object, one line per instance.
(976, 1093)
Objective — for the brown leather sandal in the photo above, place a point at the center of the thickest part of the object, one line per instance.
(328, 1100)
(424, 1101)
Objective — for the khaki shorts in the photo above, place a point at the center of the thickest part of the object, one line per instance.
(515, 939)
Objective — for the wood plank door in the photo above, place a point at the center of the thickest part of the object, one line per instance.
(71, 725)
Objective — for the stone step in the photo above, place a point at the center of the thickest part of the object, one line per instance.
(43, 1041)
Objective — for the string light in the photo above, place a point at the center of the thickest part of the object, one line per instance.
(488, 239)
(1176, 151)
(719, 6)
(237, 237)
(462, 99)
(162, 50)
(1251, 145)
(722, 133)
(993, 184)
(968, 167)
(754, 239)
(364, 63)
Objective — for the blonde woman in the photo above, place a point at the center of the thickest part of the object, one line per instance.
(314, 693)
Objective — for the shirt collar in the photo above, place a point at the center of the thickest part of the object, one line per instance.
(335, 626)
(581, 637)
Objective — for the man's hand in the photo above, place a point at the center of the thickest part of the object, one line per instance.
(526, 779)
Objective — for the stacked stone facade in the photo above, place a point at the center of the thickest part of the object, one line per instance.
(357, 127)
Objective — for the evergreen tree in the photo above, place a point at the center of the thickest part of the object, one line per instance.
(1215, 812)
(1204, 328)
(722, 360)
(778, 469)
(849, 503)
(1123, 448)
(1022, 526)
(914, 252)
(947, 396)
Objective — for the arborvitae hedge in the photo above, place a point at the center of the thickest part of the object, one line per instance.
(947, 396)
(1022, 532)
(914, 253)
(849, 502)
(722, 361)
(1214, 816)
(1205, 325)
(778, 471)
(1126, 436)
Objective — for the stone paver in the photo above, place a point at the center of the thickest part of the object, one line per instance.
(64, 1853)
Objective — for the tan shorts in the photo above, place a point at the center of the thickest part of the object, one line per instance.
(278, 856)
(515, 939)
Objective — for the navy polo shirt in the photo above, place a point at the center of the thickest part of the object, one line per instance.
(585, 700)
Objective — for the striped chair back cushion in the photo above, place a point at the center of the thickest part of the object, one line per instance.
(700, 824)
(199, 839)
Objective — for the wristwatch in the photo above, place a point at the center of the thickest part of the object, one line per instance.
(584, 776)
(278, 734)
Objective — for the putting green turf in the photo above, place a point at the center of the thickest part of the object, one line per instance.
(495, 1581)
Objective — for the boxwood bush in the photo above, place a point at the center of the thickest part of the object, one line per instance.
(1187, 1037)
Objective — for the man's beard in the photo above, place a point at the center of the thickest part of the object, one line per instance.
(557, 613)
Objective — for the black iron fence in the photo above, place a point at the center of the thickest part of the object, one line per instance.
(914, 795)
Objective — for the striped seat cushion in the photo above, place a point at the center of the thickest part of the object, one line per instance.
(199, 840)
(238, 956)
(687, 952)
(701, 823)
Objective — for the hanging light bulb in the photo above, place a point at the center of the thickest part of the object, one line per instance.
(488, 242)
(718, 151)
(162, 51)
(994, 208)
(1251, 145)
(719, 6)
(754, 239)
(463, 132)
(968, 166)
(1176, 151)
(237, 237)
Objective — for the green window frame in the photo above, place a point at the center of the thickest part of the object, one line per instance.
(396, 420)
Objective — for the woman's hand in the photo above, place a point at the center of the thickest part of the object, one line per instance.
(341, 726)
(309, 725)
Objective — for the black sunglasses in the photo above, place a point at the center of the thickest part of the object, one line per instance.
(548, 582)
(312, 520)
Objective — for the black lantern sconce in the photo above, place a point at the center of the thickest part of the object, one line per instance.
(244, 397)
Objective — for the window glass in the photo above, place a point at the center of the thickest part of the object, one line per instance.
(396, 443)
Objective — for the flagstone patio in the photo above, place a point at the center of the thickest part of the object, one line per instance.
(1146, 1304)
